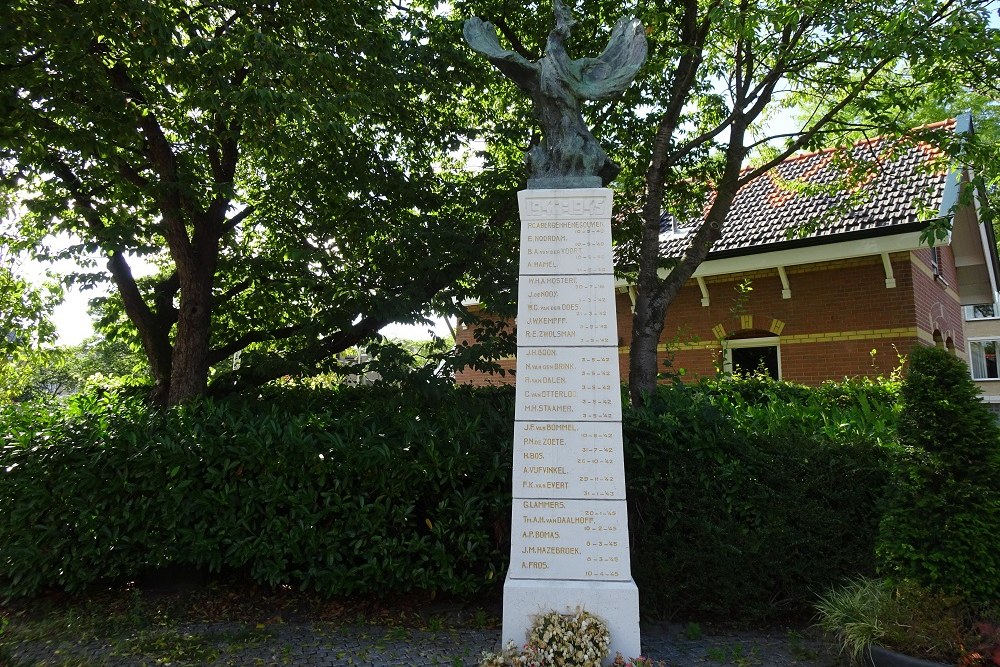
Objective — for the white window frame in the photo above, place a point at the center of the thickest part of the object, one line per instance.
(972, 367)
(729, 345)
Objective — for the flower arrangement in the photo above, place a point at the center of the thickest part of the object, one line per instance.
(563, 640)
(557, 640)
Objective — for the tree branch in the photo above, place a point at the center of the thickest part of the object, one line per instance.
(173, 204)
(220, 353)
(24, 62)
(230, 224)
(693, 36)
(130, 173)
(515, 41)
(826, 118)
(234, 291)
(163, 299)
(364, 329)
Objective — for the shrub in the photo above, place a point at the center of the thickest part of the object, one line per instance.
(366, 490)
(905, 617)
(746, 497)
(942, 526)
(743, 510)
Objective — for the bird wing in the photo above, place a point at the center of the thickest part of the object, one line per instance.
(612, 71)
(482, 37)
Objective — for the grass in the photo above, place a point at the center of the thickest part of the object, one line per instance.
(735, 654)
(692, 631)
(855, 614)
(798, 648)
(903, 617)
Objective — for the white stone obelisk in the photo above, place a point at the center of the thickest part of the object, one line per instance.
(569, 525)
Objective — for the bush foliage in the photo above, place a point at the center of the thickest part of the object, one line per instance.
(747, 496)
(354, 491)
(943, 524)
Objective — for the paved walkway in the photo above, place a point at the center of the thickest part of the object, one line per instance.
(328, 644)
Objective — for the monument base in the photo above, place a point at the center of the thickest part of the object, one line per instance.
(614, 602)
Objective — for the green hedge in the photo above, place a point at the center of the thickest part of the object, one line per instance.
(747, 496)
(355, 491)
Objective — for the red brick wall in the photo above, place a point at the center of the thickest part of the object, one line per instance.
(837, 314)
(466, 335)
(937, 303)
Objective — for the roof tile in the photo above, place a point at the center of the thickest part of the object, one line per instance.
(806, 196)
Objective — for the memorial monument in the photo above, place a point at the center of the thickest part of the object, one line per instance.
(569, 526)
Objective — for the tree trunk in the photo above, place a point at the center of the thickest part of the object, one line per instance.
(190, 361)
(191, 358)
(647, 327)
(655, 295)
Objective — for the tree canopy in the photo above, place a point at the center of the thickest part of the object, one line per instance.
(294, 172)
(289, 167)
(25, 325)
(696, 128)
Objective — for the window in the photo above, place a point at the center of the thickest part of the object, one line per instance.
(753, 355)
(983, 311)
(936, 261)
(983, 359)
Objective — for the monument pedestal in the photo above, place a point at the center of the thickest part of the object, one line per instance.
(615, 602)
(569, 525)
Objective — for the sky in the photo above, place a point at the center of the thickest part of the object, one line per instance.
(72, 321)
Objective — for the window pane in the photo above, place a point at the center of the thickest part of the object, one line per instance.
(983, 310)
(751, 360)
(984, 359)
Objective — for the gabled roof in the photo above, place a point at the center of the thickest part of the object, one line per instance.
(802, 212)
(808, 192)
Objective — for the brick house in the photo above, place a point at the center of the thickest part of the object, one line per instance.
(843, 300)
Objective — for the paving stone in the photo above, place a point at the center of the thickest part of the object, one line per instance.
(327, 645)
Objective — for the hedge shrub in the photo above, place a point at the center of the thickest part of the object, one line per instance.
(743, 505)
(943, 526)
(747, 496)
(353, 491)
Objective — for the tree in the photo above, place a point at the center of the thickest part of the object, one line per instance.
(831, 56)
(977, 93)
(717, 72)
(982, 150)
(944, 508)
(66, 369)
(25, 325)
(289, 167)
